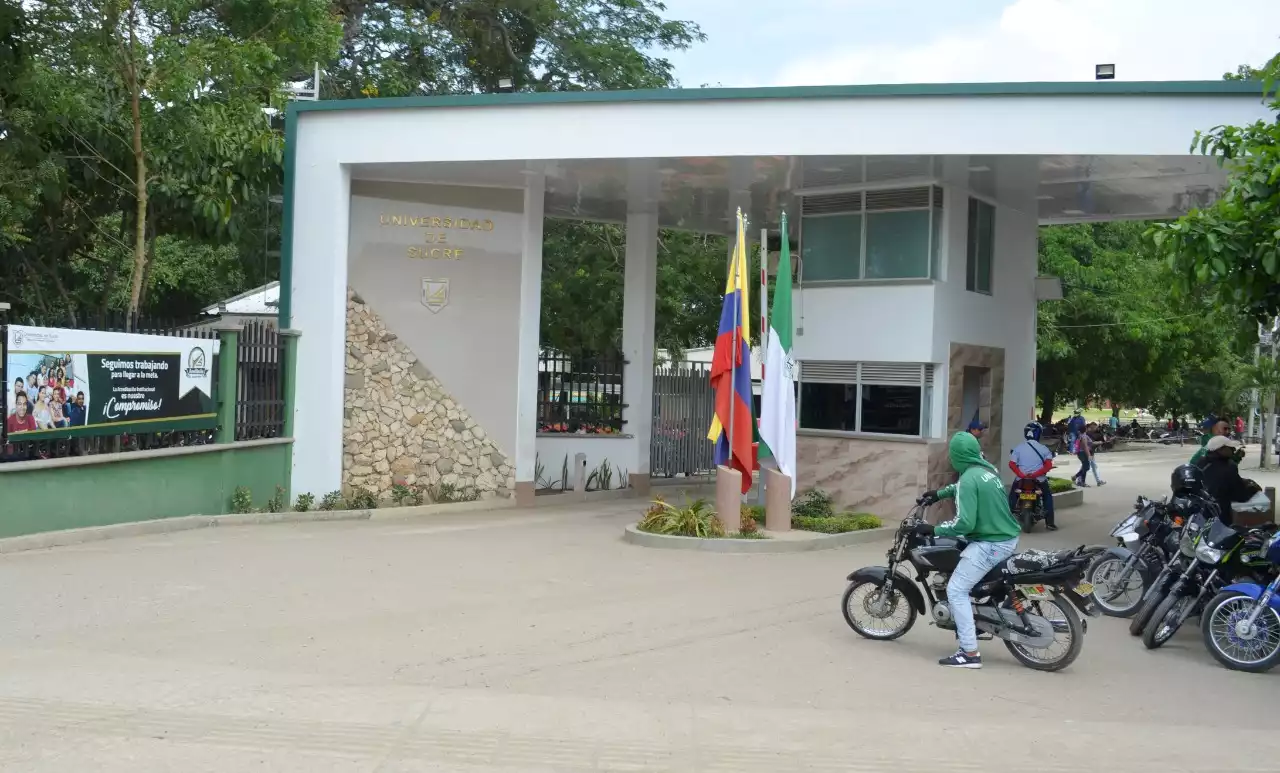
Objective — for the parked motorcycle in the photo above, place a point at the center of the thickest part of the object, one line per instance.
(1222, 554)
(1241, 625)
(1146, 538)
(1032, 602)
(1173, 567)
(1029, 509)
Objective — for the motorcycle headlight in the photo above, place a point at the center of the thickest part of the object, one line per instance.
(1209, 555)
(1125, 526)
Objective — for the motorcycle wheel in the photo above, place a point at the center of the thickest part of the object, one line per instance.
(1124, 604)
(1027, 517)
(1067, 619)
(859, 605)
(1167, 620)
(1150, 603)
(1257, 654)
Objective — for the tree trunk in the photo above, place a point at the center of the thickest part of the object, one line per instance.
(139, 182)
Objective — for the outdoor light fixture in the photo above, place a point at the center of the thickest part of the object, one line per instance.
(1104, 72)
(506, 84)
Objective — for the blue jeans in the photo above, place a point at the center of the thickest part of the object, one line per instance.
(976, 560)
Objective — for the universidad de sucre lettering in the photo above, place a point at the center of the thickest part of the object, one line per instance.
(436, 237)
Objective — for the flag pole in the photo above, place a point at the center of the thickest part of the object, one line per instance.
(739, 229)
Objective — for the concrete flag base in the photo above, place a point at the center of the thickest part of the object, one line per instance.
(729, 499)
(777, 500)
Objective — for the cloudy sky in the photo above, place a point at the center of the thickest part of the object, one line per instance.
(799, 42)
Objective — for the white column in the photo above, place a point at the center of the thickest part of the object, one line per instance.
(639, 298)
(530, 316)
(321, 215)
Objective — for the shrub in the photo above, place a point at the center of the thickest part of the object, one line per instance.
(815, 503)
(748, 523)
(756, 512)
(404, 495)
(278, 502)
(836, 524)
(442, 493)
(242, 500)
(304, 503)
(1059, 485)
(696, 519)
(362, 499)
(332, 501)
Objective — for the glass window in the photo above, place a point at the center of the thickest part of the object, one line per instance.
(982, 233)
(831, 246)
(891, 410)
(829, 406)
(898, 245)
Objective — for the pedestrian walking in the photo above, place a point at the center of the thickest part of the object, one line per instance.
(1084, 452)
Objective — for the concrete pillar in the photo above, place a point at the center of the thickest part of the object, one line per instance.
(777, 504)
(228, 380)
(639, 299)
(729, 499)
(530, 316)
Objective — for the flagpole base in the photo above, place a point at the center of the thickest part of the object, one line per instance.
(777, 500)
(729, 499)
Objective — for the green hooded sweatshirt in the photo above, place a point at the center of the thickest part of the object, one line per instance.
(982, 504)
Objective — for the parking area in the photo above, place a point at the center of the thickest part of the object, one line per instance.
(541, 642)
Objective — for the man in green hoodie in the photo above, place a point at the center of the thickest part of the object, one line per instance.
(982, 517)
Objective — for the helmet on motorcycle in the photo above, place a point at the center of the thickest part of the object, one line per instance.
(1032, 430)
(1186, 479)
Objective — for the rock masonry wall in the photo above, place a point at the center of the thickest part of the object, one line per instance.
(399, 424)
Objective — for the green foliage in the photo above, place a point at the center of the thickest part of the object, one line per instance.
(1232, 245)
(278, 502)
(361, 499)
(304, 502)
(442, 493)
(748, 524)
(242, 500)
(407, 496)
(1059, 485)
(836, 524)
(695, 519)
(332, 501)
(814, 503)
(755, 511)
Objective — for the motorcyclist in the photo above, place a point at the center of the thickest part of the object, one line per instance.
(1217, 428)
(983, 517)
(1031, 459)
(1222, 479)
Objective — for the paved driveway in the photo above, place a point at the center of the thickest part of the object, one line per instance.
(541, 642)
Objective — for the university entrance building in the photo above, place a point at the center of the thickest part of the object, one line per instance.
(412, 260)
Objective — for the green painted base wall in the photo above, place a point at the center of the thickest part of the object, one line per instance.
(140, 488)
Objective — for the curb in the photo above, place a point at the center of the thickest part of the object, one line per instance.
(1068, 499)
(728, 545)
(66, 537)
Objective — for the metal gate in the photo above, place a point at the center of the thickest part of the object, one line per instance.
(683, 405)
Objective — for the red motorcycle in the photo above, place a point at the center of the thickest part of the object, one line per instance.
(1028, 504)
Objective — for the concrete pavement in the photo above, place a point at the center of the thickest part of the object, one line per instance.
(541, 642)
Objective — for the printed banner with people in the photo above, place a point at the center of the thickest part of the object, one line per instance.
(63, 383)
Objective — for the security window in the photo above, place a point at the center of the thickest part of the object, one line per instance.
(878, 234)
(881, 398)
(982, 236)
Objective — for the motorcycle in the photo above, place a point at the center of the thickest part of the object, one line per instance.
(1241, 625)
(1032, 602)
(1030, 503)
(1146, 538)
(1222, 554)
(1159, 587)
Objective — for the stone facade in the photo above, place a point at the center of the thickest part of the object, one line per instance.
(882, 477)
(399, 424)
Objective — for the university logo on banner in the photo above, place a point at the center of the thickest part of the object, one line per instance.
(435, 294)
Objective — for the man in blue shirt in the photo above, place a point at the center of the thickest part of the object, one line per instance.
(1031, 459)
(1075, 426)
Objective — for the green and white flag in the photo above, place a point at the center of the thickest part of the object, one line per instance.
(778, 401)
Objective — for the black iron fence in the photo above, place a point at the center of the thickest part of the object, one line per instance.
(260, 391)
(580, 394)
(683, 406)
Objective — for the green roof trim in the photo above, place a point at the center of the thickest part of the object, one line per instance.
(1048, 89)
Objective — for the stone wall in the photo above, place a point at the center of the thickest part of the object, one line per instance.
(399, 424)
(882, 477)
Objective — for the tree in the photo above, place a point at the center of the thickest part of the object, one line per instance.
(1233, 244)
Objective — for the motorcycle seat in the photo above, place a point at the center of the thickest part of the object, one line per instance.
(1030, 561)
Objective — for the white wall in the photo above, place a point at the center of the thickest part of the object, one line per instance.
(470, 344)
(1004, 319)
(870, 323)
(620, 451)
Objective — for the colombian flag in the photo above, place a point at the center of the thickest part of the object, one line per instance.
(731, 370)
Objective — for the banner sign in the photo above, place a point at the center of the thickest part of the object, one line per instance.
(63, 383)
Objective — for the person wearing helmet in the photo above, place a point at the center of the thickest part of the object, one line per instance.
(1216, 428)
(1221, 475)
(1031, 459)
(983, 517)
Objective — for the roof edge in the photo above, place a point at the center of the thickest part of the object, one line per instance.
(1029, 89)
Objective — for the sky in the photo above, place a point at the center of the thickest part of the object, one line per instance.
(816, 42)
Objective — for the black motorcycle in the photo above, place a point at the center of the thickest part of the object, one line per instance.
(1223, 554)
(1146, 539)
(1029, 601)
(1029, 503)
(1173, 567)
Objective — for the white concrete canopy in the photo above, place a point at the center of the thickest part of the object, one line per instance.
(1045, 153)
